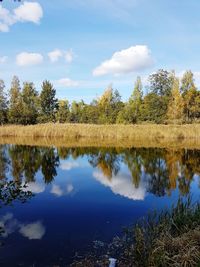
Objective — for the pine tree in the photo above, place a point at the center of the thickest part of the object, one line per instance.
(48, 103)
(3, 103)
(15, 104)
(29, 104)
(135, 100)
(175, 107)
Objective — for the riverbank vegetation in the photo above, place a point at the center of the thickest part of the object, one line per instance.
(167, 100)
(171, 238)
(152, 135)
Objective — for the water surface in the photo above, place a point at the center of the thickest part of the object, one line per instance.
(83, 194)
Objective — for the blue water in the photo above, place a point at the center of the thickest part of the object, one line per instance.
(85, 194)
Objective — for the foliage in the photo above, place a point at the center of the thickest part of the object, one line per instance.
(171, 238)
(3, 103)
(164, 103)
(48, 103)
(176, 104)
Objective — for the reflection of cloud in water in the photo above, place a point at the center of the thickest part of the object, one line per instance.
(33, 230)
(121, 184)
(56, 190)
(35, 187)
(68, 165)
(70, 188)
(9, 224)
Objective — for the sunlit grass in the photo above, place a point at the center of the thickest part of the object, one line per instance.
(113, 135)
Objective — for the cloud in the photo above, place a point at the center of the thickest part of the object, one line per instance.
(56, 190)
(26, 12)
(55, 55)
(33, 230)
(67, 82)
(28, 59)
(68, 165)
(35, 187)
(121, 184)
(9, 225)
(69, 56)
(29, 11)
(3, 59)
(134, 59)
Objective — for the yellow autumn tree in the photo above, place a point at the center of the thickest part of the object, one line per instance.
(176, 104)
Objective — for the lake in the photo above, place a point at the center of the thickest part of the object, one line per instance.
(64, 199)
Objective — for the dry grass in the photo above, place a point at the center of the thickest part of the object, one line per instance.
(150, 135)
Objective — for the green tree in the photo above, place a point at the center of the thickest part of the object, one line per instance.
(63, 114)
(3, 103)
(109, 105)
(161, 82)
(190, 96)
(15, 103)
(175, 107)
(187, 82)
(151, 108)
(29, 104)
(131, 111)
(48, 103)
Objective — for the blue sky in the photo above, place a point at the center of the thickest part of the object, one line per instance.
(84, 45)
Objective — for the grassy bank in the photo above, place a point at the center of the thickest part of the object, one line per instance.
(104, 135)
(171, 238)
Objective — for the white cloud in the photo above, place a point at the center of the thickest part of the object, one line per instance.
(67, 82)
(26, 12)
(29, 11)
(35, 187)
(122, 184)
(69, 56)
(4, 27)
(33, 230)
(134, 59)
(3, 59)
(56, 190)
(28, 59)
(68, 165)
(55, 55)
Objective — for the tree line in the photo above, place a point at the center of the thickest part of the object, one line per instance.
(168, 100)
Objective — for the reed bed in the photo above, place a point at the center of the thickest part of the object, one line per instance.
(149, 135)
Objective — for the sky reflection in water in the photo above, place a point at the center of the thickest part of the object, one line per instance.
(85, 194)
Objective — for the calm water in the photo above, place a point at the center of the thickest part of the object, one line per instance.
(82, 195)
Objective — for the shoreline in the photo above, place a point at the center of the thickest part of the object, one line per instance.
(88, 135)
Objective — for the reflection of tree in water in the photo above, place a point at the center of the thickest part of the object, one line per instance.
(49, 163)
(133, 160)
(11, 191)
(24, 160)
(155, 170)
(4, 161)
(107, 161)
(27, 160)
(162, 170)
